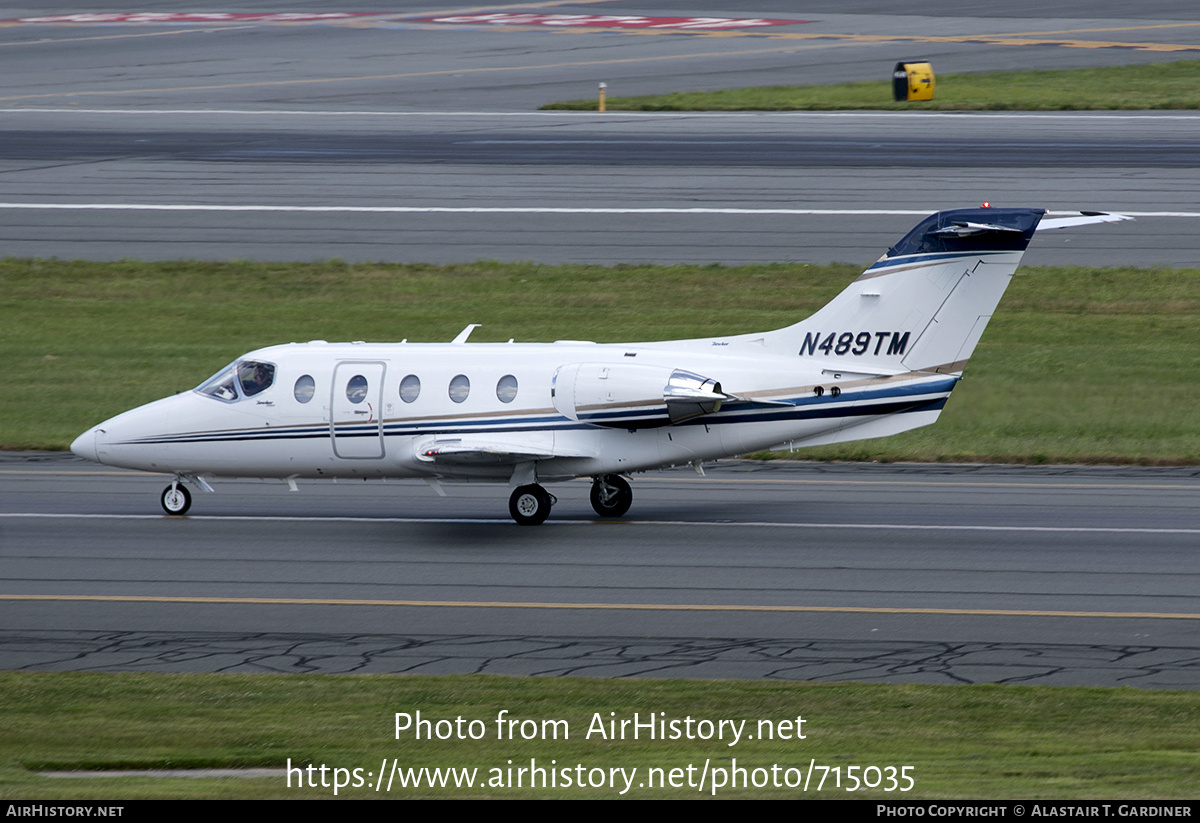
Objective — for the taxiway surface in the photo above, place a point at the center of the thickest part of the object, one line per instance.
(936, 574)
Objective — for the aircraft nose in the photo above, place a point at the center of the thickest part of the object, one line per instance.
(85, 445)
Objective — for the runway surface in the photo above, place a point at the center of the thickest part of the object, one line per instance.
(389, 137)
(394, 137)
(605, 189)
(907, 573)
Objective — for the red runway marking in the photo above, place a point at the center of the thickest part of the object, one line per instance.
(190, 17)
(623, 21)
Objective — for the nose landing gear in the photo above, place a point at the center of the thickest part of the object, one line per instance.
(176, 499)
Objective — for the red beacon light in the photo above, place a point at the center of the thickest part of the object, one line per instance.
(985, 205)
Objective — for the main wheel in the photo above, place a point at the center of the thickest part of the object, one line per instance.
(530, 505)
(176, 499)
(611, 495)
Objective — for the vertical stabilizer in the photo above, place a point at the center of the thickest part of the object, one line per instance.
(924, 305)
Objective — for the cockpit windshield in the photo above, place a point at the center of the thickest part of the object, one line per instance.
(252, 376)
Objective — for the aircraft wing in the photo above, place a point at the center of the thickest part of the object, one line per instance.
(1084, 218)
(482, 451)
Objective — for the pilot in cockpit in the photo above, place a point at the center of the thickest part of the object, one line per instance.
(255, 377)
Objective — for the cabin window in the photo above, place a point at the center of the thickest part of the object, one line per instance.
(460, 387)
(255, 377)
(410, 388)
(305, 388)
(506, 389)
(356, 389)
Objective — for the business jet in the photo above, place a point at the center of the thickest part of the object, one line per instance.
(881, 358)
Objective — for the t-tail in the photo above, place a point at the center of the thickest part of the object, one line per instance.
(923, 306)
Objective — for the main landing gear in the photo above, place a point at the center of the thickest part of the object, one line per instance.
(611, 495)
(176, 499)
(530, 505)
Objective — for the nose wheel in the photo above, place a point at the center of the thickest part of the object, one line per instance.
(611, 495)
(530, 505)
(176, 499)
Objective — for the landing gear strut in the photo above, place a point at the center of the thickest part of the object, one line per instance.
(611, 495)
(176, 499)
(530, 505)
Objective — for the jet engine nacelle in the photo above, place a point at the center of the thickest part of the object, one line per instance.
(624, 395)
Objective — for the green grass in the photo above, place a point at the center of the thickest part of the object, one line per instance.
(1158, 86)
(82, 341)
(1078, 365)
(961, 741)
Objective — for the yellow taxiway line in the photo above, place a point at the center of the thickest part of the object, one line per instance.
(659, 607)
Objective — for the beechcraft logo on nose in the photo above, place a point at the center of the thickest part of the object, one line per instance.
(857, 343)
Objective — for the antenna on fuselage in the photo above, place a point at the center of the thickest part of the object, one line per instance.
(465, 333)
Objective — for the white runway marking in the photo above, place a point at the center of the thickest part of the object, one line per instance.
(708, 524)
(439, 209)
(263, 207)
(619, 115)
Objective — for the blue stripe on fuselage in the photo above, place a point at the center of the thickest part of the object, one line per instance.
(870, 401)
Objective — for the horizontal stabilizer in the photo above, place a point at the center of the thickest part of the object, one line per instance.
(1083, 218)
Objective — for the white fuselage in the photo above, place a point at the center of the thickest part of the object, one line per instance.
(878, 359)
(570, 409)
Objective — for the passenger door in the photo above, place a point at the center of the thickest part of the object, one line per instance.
(356, 409)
